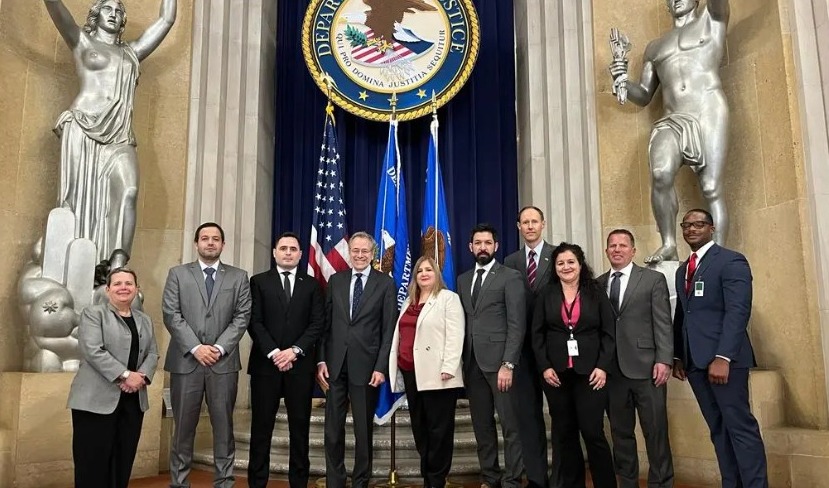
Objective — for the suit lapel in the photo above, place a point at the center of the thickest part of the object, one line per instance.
(198, 275)
(703, 264)
(488, 279)
(280, 290)
(427, 307)
(633, 282)
(543, 266)
(220, 277)
(370, 288)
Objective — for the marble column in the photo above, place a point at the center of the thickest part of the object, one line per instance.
(809, 23)
(558, 164)
(230, 157)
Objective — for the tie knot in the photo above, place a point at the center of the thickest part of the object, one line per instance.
(286, 273)
(694, 256)
(209, 271)
(532, 253)
(481, 272)
(617, 274)
(358, 275)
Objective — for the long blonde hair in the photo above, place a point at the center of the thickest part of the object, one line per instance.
(414, 289)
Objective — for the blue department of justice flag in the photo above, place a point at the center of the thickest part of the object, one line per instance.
(394, 256)
(436, 241)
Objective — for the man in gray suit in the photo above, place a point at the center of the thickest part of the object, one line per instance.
(206, 307)
(533, 262)
(644, 354)
(361, 311)
(493, 300)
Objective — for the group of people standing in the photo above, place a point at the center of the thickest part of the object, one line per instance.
(539, 325)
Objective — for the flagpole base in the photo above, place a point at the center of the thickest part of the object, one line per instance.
(392, 482)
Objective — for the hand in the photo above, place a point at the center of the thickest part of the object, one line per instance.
(551, 377)
(718, 371)
(618, 68)
(446, 376)
(504, 379)
(679, 370)
(322, 376)
(377, 379)
(284, 359)
(598, 378)
(133, 383)
(661, 373)
(207, 355)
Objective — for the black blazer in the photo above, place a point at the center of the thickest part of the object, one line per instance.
(276, 324)
(594, 331)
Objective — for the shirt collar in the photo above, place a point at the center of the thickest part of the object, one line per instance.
(488, 267)
(537, 250)
(704, 249)
(205, 266)
(625, 271)
(281, 270)
(365, 272)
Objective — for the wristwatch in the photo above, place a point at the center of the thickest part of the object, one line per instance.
(125, 375)
(296, 350)
(508, 365)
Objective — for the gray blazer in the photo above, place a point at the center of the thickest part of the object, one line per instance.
(193, 319)
(496, 327)
(104, 339)
(644, 331)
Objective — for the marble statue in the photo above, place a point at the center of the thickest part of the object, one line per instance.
(92, 227)
(685, 62)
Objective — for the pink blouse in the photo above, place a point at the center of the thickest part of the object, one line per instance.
(575, 313)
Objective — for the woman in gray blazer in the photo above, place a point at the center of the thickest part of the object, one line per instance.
(425, 361)
(108, 397)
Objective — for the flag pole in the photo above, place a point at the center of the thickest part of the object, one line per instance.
(437, 172)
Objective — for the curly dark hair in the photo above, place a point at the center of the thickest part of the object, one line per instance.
(587, 281)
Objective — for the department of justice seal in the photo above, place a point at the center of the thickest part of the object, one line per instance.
(376, 55)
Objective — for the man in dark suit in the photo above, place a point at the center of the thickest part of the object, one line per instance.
(533, 262)
(642, 364)
(361, 311)
(714, 352)
(206, 307)
(287, 319)
(493, 301)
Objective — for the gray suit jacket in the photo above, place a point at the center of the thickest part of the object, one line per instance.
(193, 319)
(366, 337)
(644, 333)
(104, 339)
(495, 328)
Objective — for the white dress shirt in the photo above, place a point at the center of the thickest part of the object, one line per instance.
(487, 268)
(623, 281)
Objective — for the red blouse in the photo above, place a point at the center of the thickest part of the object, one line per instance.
(405, 349)
(575, 315)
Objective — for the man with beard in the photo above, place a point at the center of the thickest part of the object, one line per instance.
(206, 307)
(493, 301)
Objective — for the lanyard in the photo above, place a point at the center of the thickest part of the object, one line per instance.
(569, 311)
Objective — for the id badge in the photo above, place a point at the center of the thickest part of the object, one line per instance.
(572, 348)
(699, 288)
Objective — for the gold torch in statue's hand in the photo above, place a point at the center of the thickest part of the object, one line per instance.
(619, 47)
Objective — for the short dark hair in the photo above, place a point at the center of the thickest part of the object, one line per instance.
(529, 207)
(623, 232)
(122, 269)
(484, 227)
(708, 217)
(291, 235)
(206, 225)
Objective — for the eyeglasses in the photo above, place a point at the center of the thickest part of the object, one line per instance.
(698, 224)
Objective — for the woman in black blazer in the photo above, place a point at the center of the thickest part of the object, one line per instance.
(573, 343)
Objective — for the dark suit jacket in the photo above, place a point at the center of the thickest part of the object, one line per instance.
(717, 322)
(496, 326)
(595, 331)
(644, 334)
(364, 340)
(274, 323)
(543, 275)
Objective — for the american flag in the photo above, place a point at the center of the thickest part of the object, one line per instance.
(371, 55)
(328, 252)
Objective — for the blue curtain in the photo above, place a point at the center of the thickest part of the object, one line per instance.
(478, 152)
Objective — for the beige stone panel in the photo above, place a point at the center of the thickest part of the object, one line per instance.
(45, 427)
(26, 29)
(618, 156)
(146, 464)
(151, 428)
(752, 26)
(809, 471)
(6, 468)
(12, 336)
(688, 430)
(51, 474)
(699, 472)
(12, 90)
(779, 470)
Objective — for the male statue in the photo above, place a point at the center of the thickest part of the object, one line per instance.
(694, 130)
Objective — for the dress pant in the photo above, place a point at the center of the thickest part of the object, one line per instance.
(432, 413)
(532, 428)
(296, 386)
(575, 407)
(363, 399)
(734, 430)
(627, 398)
(484, 400)
(104, 446)
(186, 394)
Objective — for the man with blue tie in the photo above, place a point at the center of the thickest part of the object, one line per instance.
(714, 352)
(361, 311)
(206, 307)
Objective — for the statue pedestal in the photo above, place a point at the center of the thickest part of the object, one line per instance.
(36, 431)
(668, 269)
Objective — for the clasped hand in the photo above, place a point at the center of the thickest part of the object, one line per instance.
(133, 383)
(207, 355)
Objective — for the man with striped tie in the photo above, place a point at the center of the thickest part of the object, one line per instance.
(533, 262)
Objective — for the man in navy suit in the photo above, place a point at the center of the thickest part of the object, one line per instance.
(714, 352)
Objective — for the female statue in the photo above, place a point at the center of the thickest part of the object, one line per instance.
(99, 165)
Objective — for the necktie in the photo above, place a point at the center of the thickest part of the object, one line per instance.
(287, 285)
(476, 288)
(208, 282)
(532, 267)
(689, 276)
(358, 292)
(615, 291)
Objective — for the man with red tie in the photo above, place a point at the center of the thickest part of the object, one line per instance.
(714, 352)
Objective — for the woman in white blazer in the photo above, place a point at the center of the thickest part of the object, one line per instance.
(425, 362)
(108, 397)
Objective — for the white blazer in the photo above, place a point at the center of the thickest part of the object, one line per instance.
(437, 345)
